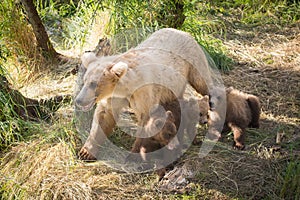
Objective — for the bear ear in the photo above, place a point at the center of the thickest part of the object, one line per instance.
(229, 89)
(170, 116)
(206, 98)
(87, 58)
(119, 69)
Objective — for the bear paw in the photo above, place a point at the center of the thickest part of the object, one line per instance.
(85, 155)
(238, 146)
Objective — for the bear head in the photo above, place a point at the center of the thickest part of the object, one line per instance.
(162, 126)
(203, 104)
(100, 79)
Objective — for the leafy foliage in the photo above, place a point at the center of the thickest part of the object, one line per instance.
(70, 23)
(256, 12)
(148, 16)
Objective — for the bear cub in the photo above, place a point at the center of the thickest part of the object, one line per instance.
(159, 133)
(242, 111)
(167, 129)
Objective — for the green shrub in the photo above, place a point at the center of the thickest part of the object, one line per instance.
(148, 16)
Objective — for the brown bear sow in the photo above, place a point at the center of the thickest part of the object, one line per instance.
(243, 110)
(156, 71)
(162, 133)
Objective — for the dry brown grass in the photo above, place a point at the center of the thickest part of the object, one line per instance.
(237, 174)
(39, 170)
(269, 67)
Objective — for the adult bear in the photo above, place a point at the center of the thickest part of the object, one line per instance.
(155, 72)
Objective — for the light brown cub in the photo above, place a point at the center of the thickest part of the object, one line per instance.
(243, 110)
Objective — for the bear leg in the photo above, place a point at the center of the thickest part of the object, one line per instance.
(135, 155)
(103, 124)
(238, 136)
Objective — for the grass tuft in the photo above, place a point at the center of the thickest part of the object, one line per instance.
(290, 186)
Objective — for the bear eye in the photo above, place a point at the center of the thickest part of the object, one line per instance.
(105, 72)
(168, 135)
(200, 114)
(93, 85)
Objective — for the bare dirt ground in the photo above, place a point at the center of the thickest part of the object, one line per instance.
(267, 64)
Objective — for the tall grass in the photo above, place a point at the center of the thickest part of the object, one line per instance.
(203, 26)
(19, 60)
(148, 16)
(69, 23)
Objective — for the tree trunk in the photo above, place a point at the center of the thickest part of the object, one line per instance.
(178, 14)
(39, 30)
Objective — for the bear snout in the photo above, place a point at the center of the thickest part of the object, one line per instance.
(78, 102)
(83, 105)
(204, 121)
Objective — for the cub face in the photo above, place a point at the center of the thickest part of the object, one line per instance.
(197, 109)
(165, 129)
(203, 104)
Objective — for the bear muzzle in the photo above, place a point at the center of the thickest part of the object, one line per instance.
(84, 105)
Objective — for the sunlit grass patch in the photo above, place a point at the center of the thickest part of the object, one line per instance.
(27, 168)
(231, 172)
(45, 170)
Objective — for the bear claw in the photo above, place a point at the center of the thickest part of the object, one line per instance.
(238, 146)
(85, 155)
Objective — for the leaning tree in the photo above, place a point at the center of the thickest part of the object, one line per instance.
(39, 30)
